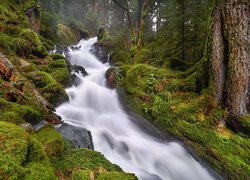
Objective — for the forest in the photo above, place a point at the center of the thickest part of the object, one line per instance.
(125, 89)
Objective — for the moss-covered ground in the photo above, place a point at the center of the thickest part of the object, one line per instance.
(170, 99)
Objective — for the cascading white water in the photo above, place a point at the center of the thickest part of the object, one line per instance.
(95, 107)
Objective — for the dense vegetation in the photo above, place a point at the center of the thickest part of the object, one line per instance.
(183, 64)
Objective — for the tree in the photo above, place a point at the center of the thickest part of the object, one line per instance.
(230, 57)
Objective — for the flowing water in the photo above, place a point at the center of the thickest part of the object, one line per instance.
(95, 107)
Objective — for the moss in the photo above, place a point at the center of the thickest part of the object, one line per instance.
(91, 160)
(13, 150)
(54, 93)
(103, 35)
(115, 176)
(42, 171)
(121, 57)
(16, 113)
(51, 141)
(62, 76)
(142, 56)
(49, 87)
(57, 56)
(81, 174)
(66, 34)
(244, 122)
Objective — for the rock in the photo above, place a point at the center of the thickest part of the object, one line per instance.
(40, 125)
(75, 47)
(80, 137)
(84, 34)
(101, 52)
(112, 77)
(27, 127)
(75, 80)
(79, 69)
(52, 118)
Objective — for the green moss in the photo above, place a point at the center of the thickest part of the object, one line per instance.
(81, 174)
(90, 160)
(51, 141)
(57, 56)
(16, 113)
(142, 56)
(103, 35)
(115, 176)
(13, 150)
(49, 87)
(42, 171)
(245, 124)
(66, 34)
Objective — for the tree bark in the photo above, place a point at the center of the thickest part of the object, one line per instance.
(236, 19)
(230, 57)
(218, 68)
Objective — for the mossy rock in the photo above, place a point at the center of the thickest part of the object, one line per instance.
(113, 175)
(121, 57)
(18, 114)
(66, 34)
(244, 123)
(13, 150)
(43, 171)
(84, 159)
(51, 140)
(57, 56)
(116, 176)
(103, 35)
(49, 87)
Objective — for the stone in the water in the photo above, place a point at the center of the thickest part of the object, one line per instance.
(79, 69)
(80, 137)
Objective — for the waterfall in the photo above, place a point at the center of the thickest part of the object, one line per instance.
(95, 107)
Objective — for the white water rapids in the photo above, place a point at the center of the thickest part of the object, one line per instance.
(95, 107)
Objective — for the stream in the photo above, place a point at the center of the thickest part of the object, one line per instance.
(96, 107)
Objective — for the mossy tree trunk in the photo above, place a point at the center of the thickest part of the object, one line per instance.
(143, 13)
(230, 57)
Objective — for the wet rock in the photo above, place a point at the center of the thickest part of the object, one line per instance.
(112, 77)
(84, 34)
(74, 48)
(40, 125)
(101, 52)
(80, 137)
(79, 69)
(52, 118)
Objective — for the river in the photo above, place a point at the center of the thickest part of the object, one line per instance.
(96, 107)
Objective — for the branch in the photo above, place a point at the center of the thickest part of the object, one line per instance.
(121, 6)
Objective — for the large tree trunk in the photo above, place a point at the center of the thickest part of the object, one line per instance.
(230, 56)
(218, 68)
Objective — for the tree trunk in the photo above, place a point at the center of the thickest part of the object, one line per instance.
(230, 57)
(142, 23)
(236, 20)
(218, 68)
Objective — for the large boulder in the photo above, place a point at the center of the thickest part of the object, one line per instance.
(80, 137)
